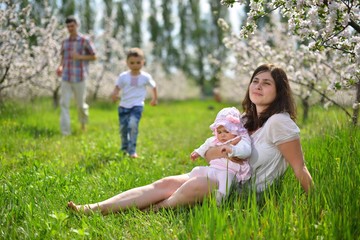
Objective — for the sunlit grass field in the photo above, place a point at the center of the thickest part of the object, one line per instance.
(40, 170)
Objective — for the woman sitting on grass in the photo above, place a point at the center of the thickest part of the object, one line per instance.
(269, 113)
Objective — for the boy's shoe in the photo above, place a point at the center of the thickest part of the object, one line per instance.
(134, 155)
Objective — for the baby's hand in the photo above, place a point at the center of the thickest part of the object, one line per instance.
(235, 141)
(194, 155)
(226, 149)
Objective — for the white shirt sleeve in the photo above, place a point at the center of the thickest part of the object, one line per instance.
(119, 80)
(243, 148)
(205, 146)
(150, 80)
(283, 129)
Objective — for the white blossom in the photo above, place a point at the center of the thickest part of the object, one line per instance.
(356, 105)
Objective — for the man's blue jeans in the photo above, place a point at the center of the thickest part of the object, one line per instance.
(129, 119)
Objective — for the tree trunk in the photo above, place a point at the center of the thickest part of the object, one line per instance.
(355, 116)
(306, 108)
(55, 97)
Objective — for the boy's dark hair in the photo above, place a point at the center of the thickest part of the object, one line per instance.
(71, 19)
(135, 52)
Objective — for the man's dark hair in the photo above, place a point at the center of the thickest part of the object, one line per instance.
(70, 19)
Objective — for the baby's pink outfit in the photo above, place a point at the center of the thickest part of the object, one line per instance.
(223, 170)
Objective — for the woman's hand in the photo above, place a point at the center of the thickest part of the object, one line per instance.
(237, 160)
(221, 151)
(226, 149)
(214, 152)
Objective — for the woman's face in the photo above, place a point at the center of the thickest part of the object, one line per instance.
(262, 91)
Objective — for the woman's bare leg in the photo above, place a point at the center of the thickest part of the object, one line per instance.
(192, 191)
(140, 197)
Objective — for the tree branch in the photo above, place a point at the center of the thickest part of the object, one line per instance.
(5, 74)
(354, 25)
(36, 83)
(324, 96)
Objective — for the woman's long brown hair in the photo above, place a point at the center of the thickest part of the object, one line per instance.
(283, 102)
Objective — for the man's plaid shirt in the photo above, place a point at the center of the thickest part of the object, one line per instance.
(76, 70)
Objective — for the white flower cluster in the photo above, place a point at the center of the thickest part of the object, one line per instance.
(326, 65)
(111, 61)
(223, 24)
(356, 105)
(333, 24)
(28, 69)
(22, 63)
(314, 74)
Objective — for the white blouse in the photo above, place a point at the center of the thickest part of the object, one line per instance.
(266, 161)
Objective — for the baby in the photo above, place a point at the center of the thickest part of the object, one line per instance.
(235, 141)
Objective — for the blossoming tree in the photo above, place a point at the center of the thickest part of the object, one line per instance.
(30, 54)
(27, 52)
(332, 26)
(310, 72)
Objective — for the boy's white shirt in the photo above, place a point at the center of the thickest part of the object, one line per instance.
(241, 150)
(133, 95)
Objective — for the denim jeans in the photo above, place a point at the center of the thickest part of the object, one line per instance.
(129, 119)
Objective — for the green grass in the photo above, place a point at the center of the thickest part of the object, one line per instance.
(41, 170)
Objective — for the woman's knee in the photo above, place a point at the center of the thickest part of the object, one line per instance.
(171, 183)
(201, 185)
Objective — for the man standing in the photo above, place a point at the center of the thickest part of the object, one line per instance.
(76, 52)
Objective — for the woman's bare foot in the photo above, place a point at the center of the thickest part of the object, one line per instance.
(79, 208)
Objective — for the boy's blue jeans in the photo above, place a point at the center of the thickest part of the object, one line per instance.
(129, 119)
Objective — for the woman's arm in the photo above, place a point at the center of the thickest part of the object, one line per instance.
(215, 152)
(294, 156)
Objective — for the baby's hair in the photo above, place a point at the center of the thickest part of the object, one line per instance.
(135, 52)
